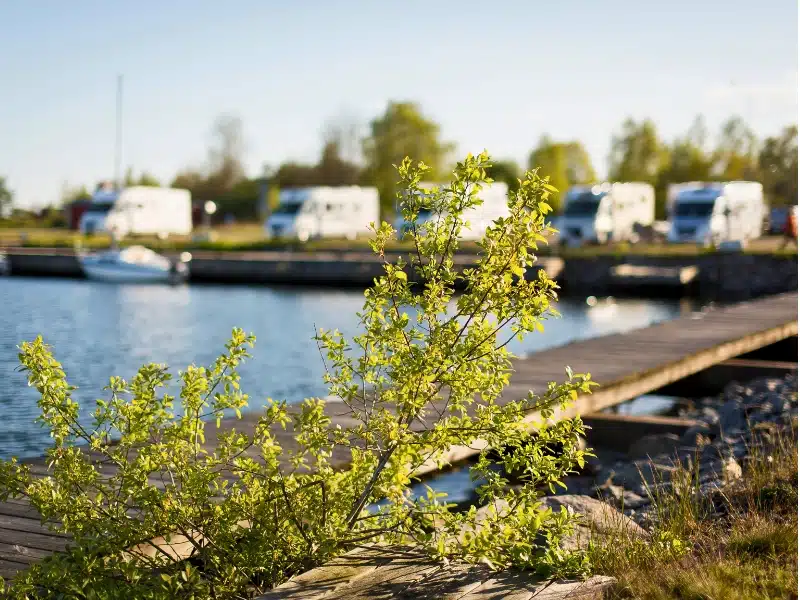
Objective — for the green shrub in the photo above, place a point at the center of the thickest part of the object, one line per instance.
(251, 512)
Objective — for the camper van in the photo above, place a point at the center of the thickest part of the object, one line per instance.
(606, 212)
(478, 218)
(139, 210)
(324, 212)
(718, 212)
(674, 189)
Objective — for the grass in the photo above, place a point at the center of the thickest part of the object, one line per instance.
(739, 544)
(249, 237)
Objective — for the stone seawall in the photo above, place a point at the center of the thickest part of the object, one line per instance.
(719, 276)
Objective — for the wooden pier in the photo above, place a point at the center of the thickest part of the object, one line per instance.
(625, 365)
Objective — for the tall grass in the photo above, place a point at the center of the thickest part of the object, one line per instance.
(739, 542)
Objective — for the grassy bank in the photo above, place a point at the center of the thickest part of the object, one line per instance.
(738, 544)
(250, 237)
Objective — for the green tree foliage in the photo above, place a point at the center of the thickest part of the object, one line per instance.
(72, 194)
(736, 154)
(402, 130)
(565, 163)
(332, 170)
(777, 163)
(426, 373)
(144, 179)
(637, 153)
(686, 160)
(225, 168)
(6, 198)
(506, 171)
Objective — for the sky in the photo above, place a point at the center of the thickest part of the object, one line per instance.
(495, 76)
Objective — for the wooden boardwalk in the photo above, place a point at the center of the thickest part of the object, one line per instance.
(625, 365)
(387, 573)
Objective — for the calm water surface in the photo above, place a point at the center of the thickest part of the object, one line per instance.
(98, 330)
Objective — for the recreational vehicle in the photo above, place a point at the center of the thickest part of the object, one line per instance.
(324, 212)
(494, 205)
(139, 210)
(606, 212)
(718, 212)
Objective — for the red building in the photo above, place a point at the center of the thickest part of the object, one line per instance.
(73, 212)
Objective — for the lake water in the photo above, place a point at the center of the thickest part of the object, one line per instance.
(98, 330)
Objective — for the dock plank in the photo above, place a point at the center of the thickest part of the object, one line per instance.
(625, 365)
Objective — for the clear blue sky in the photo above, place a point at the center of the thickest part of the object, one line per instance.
(495, 75)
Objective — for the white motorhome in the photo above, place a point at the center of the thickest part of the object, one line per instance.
(494, 205)
(674, 189)
(139, 210)
(606, 212)
(718, 212)
(324, 212)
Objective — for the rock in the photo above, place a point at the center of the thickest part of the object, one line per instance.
(654, 445)
(778, 404)
(709, 415)
(731, 470)
(596, 464)
(577, 484)
(636, 476)
(599, 519)
(734, 390)
(731, 415)
(692, 435)
(620, 497)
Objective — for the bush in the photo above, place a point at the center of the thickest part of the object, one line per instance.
(248, 513)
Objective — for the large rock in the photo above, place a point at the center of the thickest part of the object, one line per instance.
(695, 433)
(654, 445)
(731, 415)
(620, 497)
(637, 476)
(599, 520)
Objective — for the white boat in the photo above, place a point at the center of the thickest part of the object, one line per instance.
(135, 264)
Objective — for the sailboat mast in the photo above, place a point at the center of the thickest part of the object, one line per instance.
(118, 144)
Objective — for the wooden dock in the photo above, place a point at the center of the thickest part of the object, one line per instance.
(625, 365)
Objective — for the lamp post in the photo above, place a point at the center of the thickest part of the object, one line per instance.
(209, 208)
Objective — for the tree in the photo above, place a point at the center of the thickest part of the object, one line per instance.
(506, 171)
(777, 163)
(71, 194)
(686, 160)
(191, 180)
(333, 170)
(736, 154)
(294, 174)
(637, 153)
(145, 179)
(402, 130)
(345, 131)
(565, 163)
(6, 198)
(226, 156)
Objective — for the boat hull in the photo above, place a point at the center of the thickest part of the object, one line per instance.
(129, 275)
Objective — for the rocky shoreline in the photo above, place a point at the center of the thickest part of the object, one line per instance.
(621, 488)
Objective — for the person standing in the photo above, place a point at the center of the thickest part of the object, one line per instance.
(790, 229)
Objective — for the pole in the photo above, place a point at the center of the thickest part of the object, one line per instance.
(118, 144)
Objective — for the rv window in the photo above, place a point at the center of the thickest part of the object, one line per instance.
(581, 208)
(288, 209)
(694, 209)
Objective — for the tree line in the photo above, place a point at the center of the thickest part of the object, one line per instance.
(349, 157)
